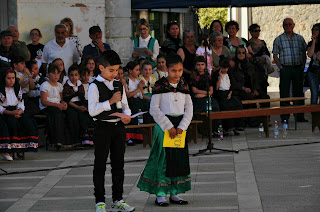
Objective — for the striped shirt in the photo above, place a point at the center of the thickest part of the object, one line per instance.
(291, 52)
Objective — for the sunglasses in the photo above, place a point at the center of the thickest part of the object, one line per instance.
(315, 29)
(287, 25)
(143, 29)
(257, 30)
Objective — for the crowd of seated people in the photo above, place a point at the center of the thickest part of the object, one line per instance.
(54, 81)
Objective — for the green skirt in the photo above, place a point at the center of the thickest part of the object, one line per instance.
(154, 179)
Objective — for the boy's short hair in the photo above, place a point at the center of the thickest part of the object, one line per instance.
(146, 63)
(224, 62)
(199, 59)
(17, 59)
(72, 68)
(173, 59)
(109, 58)
(52, 68)
(84, 70)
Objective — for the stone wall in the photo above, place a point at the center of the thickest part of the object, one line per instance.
(270, 19)
(45, 14)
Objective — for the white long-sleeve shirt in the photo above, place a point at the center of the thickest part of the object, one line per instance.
(164, 104)
(11, 100)
(96, 107)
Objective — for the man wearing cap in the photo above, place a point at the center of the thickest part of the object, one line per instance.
(21, 46)
(60, 48)
(6, 50)
(95, 48)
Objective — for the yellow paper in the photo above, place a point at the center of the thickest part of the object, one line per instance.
(178, 142)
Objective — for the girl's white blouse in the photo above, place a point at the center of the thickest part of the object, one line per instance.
(165, 104)
(132, 86)
(53, 93)
(11, 100)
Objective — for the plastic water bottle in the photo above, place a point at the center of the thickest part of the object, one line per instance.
(140, 118)
(261, 130)
(285, 128)
(209, 104)
(276, 129)
(220, 132)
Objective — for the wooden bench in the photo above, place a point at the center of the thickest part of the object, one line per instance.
(192, 131)
(146, 130)
(264, 113)
(256, 101)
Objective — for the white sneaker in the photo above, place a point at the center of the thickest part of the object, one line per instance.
(122, 206)
(101, 207)
(7, 156)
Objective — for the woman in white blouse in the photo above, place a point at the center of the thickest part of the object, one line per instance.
(145, 40)
(168, 169)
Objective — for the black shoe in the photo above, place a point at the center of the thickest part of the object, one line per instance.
(236, 133)
(302, 120)
(162, 204)
(179, 202)
(20, 156)
(240, 129)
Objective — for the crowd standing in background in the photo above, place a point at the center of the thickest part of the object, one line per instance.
(64, 82)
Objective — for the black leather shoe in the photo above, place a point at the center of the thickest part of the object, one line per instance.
(161, 204)
(236, 133)
(179, 202)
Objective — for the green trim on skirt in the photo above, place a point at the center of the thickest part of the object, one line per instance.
(153, 179)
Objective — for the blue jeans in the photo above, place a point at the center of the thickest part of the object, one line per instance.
(313, 78)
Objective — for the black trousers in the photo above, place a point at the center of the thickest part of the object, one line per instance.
(108, 137)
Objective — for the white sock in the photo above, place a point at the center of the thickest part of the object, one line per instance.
(161, 199)
(175, 197)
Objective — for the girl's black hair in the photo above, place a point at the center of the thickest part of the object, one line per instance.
(130, 66)
(84, 70)
(63, 71)
(52, 68)
(173, 59)
(30, 64)
(161, 55)
(211, 26)
(86, 60)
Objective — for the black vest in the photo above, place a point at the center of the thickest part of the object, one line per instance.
(105, 94)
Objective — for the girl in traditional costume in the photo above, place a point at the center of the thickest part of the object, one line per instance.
(19, 133)
(168, 169)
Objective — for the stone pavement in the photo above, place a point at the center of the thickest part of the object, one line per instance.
(262, 179)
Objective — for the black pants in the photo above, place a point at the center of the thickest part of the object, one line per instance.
(108, 137)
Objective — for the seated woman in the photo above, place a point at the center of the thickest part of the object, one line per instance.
(19, 132)
(224, 95)
(243, 81)
(199, 85)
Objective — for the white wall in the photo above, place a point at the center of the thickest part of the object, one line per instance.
(45, 14)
